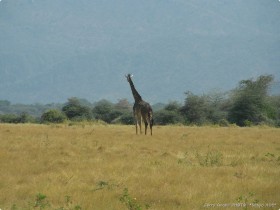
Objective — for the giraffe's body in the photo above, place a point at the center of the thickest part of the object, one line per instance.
(141, 109)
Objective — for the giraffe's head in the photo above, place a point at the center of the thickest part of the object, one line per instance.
(128, 77)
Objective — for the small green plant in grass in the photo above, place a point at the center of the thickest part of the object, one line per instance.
(130, 202)
(248, 200)
(101, 185)
(14, 207)
(237, 162)
(105, 185)
(270, 157)
(212, 158)
(41, 202)
(69, 205)
(184, 159)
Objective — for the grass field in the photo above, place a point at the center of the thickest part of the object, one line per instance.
(109, 167)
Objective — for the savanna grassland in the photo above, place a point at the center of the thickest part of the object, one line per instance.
(109, 167)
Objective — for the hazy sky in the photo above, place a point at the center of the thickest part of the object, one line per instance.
(53, 50)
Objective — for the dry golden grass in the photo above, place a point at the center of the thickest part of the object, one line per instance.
(177, 168)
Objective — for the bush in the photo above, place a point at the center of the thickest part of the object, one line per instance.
(13, 118)
(127, 119)
(113, 113)
(223, 123)
(165, 117)
(75, 111)
(53, 116)
(170, 114)
(250, 102)
(9, 118)
(205, 109)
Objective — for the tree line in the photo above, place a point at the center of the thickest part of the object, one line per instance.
(248, 104)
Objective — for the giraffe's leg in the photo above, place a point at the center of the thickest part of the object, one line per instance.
(146, 125)
(140, 126)
(136, 122)
(151, 123)
(139, 122)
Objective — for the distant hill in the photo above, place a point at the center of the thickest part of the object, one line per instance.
(53, 50)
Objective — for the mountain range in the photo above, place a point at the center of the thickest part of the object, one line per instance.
(56, 49)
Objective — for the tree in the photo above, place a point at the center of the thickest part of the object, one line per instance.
(9, 118)
(126, 118)
(53, 116)
(217, 107)
(124, 110)
(14, 118)
(104, 110)
(274, 111)
(250, 101)
(170, 114)
(25, 118)
(123, 105)
(75, 111)
(195, 109)
(210, 108)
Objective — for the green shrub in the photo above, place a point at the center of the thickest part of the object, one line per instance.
(53, 116)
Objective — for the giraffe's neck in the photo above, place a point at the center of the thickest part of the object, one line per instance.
(136, 95)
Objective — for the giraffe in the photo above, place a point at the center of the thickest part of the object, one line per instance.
(141, 109)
